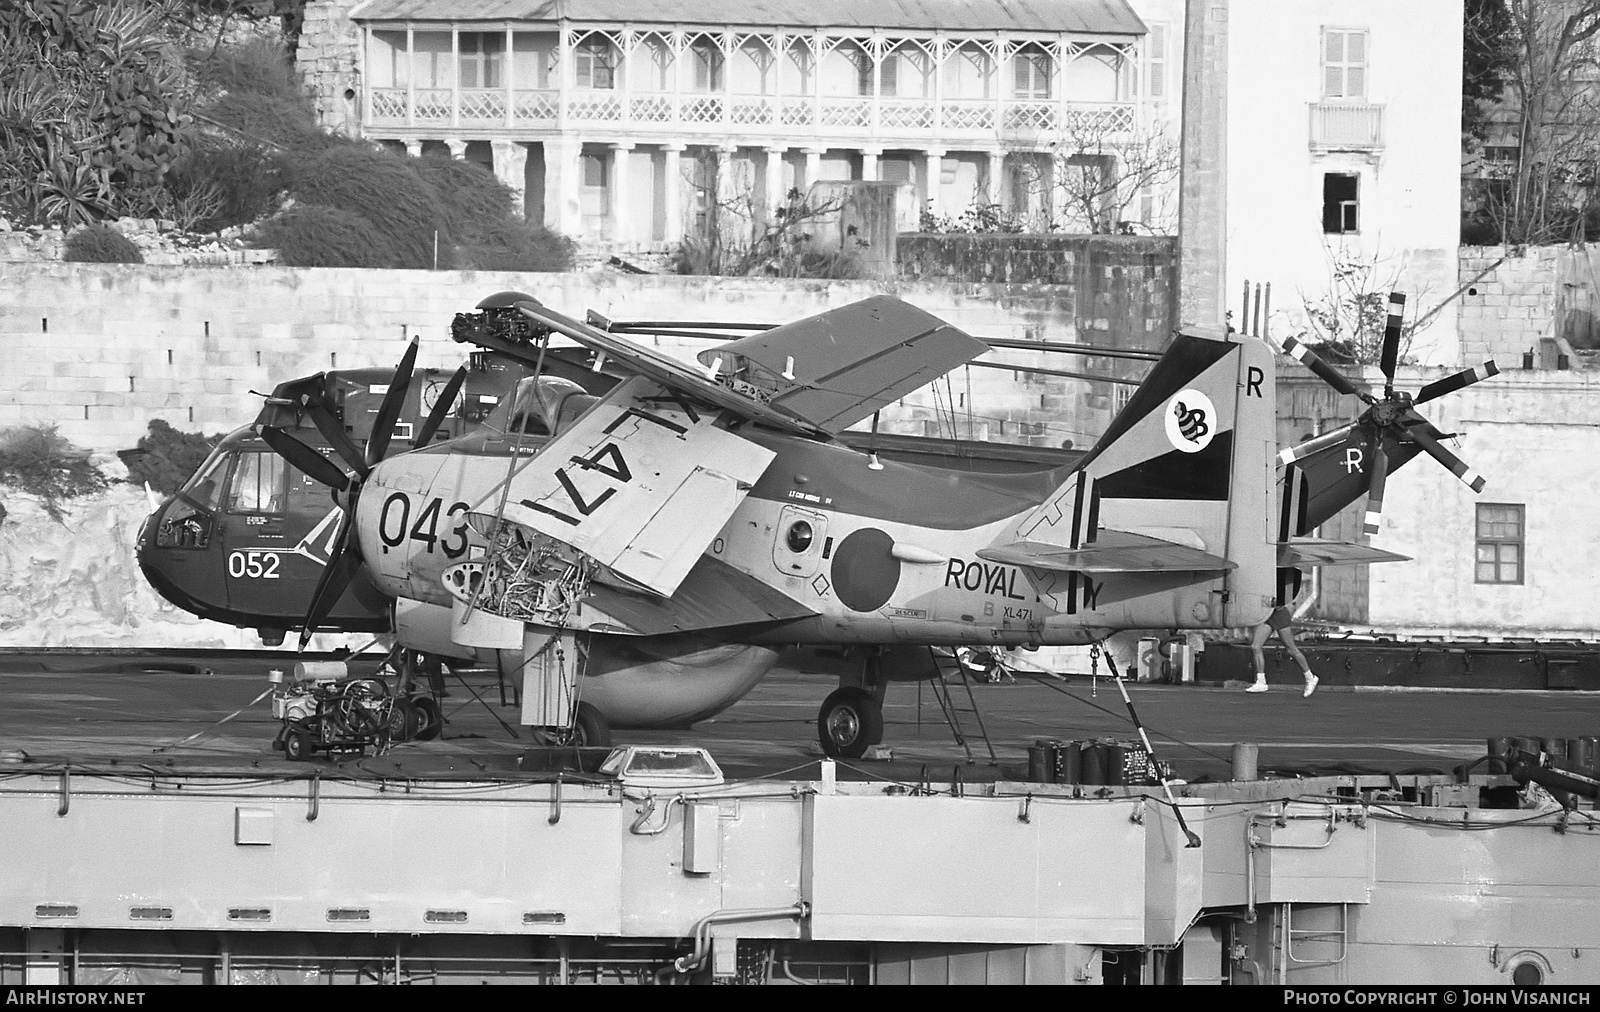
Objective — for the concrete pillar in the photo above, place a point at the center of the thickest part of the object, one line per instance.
(934, 172)
(457, 146)
(672, 191)
(413, 146)
(994, 186)
(511, 167)
(813, 166)
(774, 176)
(563, 205)
(617, 195)
(869, 163)
(1203, 180)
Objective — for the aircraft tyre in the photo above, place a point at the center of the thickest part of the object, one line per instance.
(297, 746)
(849, 721)
(430, 719)
(589, 730)
(403, 720)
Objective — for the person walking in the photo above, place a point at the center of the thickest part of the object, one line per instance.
(1282, 623)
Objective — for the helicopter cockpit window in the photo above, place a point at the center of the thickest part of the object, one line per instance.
(527, 414)
(258, 484)
(562, 401)
(187, 520)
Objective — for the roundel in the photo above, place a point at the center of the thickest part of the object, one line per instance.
(865, 574)
(1191, 420)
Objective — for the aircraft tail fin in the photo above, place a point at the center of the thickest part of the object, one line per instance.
(1188, 462)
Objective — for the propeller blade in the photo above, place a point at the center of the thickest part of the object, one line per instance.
(304, 457)
(335, 580)
(1391, 338)
(1315, 445)
(1380, 477)
(1470, 478)
(441, 407)
(332, 430)
(389, 410)
(1331, 376)
(1464, 378)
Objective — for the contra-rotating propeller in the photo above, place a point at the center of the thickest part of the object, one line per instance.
(345, 560)
(1393, 416)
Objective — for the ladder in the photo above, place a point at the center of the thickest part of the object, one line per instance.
(950, 704)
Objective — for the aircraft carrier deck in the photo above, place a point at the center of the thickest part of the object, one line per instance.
(149, 843)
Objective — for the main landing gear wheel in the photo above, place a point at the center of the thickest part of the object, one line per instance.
(430, 720)
(590, 730)
(849, 721)
(403, 718)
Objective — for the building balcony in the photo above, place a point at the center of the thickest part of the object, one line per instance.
(1346, 126)
(848, 119)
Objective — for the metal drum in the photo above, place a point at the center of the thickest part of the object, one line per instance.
(1042, 761)
(1093, 756)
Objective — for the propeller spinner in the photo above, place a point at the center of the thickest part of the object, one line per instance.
(345, 560)
(1393, 415)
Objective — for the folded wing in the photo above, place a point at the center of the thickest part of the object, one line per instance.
(641, 484)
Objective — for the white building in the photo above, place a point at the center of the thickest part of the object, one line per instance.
(1344, 148)
(611, 117)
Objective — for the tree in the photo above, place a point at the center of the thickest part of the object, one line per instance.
(1554, 107)
(1103, 168)
(1348, 318)
(1487, 55)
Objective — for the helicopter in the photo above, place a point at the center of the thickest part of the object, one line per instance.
(557, 538)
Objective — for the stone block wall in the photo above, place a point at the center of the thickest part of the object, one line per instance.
(1120, 290)
(1509, 301)
(101, 349)
(329, 60)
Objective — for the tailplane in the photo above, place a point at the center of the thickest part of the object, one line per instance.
(1181, 482)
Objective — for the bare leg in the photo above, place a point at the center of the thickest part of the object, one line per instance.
(1294, 651)
(1287, 636)
(1258, 637)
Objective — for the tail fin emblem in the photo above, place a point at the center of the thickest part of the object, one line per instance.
(1189, 421)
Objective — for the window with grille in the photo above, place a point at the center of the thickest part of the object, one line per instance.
(481, 55)
(1033, 74)
(1502, 540)
(595, 66)
(1344, 63)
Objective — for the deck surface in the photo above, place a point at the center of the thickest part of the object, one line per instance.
(131, 710)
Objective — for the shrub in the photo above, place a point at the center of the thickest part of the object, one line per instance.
(313, 235)
(387, 191)
(40, 462)
(101, 244)
(516, 246)
(248, 182)
(469, 195)
(258, 66)
(167, 457)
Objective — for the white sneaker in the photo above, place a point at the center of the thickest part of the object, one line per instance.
(1311, 686)
(1260, 686)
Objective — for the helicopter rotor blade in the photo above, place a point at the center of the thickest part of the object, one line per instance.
(1380, 477)
(1391, 340)
(332, 430)
(1333, 437)
(1470, 478)
(335, 580)
(389, 410)
(441, 408)
(1331, 376)
(1451, 383)
(304, 457)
